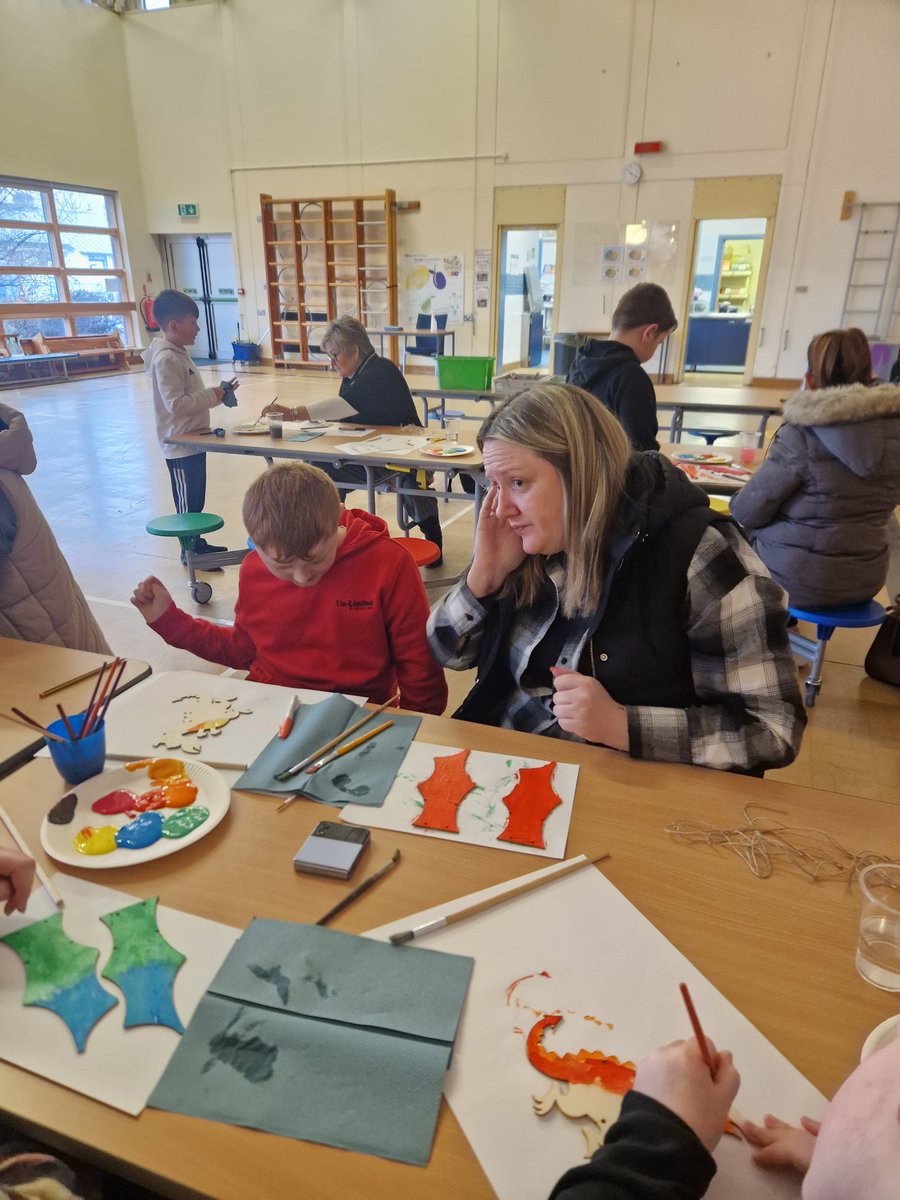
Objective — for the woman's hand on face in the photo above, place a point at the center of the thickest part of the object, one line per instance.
(498, 549)
(584, 707)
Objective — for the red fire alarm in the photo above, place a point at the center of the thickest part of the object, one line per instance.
(647, 147)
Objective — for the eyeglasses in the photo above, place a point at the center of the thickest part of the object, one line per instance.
(334, 355)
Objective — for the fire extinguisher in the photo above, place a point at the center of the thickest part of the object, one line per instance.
(146, 307)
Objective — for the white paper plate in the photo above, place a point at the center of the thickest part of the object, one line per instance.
(212, 793)
(704, 460)
(448, 451)
(251, 430)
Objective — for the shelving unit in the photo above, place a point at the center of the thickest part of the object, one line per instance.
(730, 289)
(328, 257)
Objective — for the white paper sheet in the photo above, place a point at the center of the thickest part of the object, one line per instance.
(330, 408)
(614, 978)
(119, 1066)
(391, 444)
(482, 815)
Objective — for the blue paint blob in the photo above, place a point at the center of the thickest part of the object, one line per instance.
(148, 995)
(143, 831)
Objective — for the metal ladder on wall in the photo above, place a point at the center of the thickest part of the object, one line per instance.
(873, 285)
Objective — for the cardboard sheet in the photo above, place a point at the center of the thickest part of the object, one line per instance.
(323, 1036)
(578, 948)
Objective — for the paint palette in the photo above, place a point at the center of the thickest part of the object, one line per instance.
(703, 460)
(445, 451)
(213, 794)
(255, 429)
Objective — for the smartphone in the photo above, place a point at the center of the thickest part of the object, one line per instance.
(332, 850)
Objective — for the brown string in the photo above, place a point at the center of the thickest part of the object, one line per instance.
(762, 842)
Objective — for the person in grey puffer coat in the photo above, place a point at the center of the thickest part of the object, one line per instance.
(817, 510)
(39, 598)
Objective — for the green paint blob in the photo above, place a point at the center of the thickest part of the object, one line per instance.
(184, 821)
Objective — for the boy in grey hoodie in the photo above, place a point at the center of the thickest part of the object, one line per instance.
(181, 403)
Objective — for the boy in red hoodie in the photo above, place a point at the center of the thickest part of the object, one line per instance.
(326, 600)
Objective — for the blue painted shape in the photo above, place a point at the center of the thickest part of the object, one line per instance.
(81, 1006)
(143, 965)
(148, 996)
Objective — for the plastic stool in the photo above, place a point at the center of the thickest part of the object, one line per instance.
(709, 435)
(422, 552)
(826, 620)
(186, 527)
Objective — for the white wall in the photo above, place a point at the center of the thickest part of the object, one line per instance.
(446, 102)
(66, 106)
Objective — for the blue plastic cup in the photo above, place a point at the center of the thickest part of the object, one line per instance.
(78, 760)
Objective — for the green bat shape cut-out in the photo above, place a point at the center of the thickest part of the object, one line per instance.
(143, 965)
(60, 975)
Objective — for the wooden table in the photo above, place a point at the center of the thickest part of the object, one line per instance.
(722, 485)
(680, 398)
(29, 668)
(781, 949)
(325, 449)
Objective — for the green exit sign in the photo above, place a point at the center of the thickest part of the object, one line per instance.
(187, 210)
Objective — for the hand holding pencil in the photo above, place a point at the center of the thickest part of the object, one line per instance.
(678, 1076)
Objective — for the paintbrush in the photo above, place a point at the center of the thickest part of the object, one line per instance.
(360, 888)
(38, 869)
(342, 750)
(310, 758)
(697, 1028)
(480, 905)
(58, 687)
(30, 723)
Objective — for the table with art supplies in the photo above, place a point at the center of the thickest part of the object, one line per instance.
(232, 1047)
(723, 471)
(35, 679)
(374, 448)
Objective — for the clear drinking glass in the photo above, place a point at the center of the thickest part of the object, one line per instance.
(878, 948)
(452, 430)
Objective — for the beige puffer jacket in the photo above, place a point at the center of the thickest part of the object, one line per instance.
(39, 598)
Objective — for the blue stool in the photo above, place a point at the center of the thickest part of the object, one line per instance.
(826, 620)
(709, 435)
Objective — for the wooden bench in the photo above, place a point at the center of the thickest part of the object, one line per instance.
(86, 355)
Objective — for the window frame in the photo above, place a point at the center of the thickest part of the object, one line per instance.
(65, 308)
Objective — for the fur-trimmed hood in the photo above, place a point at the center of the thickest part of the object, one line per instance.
(842, 405)
(858, 425)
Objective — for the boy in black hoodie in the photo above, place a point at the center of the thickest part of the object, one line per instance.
(612, 371)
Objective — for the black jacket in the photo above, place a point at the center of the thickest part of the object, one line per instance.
(380, 394)
(648, 1154)
(612, 373)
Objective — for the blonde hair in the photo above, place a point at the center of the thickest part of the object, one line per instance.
(290, 508)
(588, 449)
(839, 357)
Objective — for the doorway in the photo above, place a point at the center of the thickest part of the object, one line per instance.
(203, 267)
(525, 296)
(732, 223)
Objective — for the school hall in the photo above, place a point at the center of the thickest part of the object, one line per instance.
(514, 169)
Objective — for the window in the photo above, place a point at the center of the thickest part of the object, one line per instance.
(61, 265)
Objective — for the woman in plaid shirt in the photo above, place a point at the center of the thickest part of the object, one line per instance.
(607, 603)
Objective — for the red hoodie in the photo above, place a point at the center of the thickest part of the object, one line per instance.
(360, 629)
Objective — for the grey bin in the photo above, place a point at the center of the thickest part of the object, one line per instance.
(563, 352)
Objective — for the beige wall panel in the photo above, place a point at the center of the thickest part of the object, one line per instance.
(722, 75)
(563, 78)
(417, 78)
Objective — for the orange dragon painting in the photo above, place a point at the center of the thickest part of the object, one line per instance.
(587, 1084)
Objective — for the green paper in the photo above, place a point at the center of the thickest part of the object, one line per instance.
(363, 776)
(323, 1036)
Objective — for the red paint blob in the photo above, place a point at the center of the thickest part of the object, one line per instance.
(118, 801)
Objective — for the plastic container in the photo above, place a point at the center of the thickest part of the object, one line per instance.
(246, 352)
(464, 371)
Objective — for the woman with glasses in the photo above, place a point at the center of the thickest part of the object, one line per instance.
(372, 392)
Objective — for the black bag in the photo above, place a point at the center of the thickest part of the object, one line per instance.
(883, 659)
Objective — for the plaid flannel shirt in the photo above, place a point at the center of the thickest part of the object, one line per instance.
(750, 716)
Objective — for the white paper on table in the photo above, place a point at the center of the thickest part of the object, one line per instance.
(118, 1066)
(614, 977)
(330, 430)
(482, 814)
(137, 718)
(392, 445)
(330, 408)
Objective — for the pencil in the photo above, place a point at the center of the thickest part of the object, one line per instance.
(342, 750)
(65, 720)
(58, 687)
(298, 767)
(697, 1028)
(360, 888)
(38, 870)
(31, 724)
(520, 889)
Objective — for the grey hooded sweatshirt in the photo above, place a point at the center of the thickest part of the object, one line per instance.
(816, 511)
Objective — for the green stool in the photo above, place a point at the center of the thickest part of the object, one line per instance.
(186, 527)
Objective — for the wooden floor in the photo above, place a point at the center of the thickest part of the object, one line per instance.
(101, 476)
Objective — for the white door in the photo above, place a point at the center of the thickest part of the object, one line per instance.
(203, 267)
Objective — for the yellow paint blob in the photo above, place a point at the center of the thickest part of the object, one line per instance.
(94, 840)
(164, 768)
